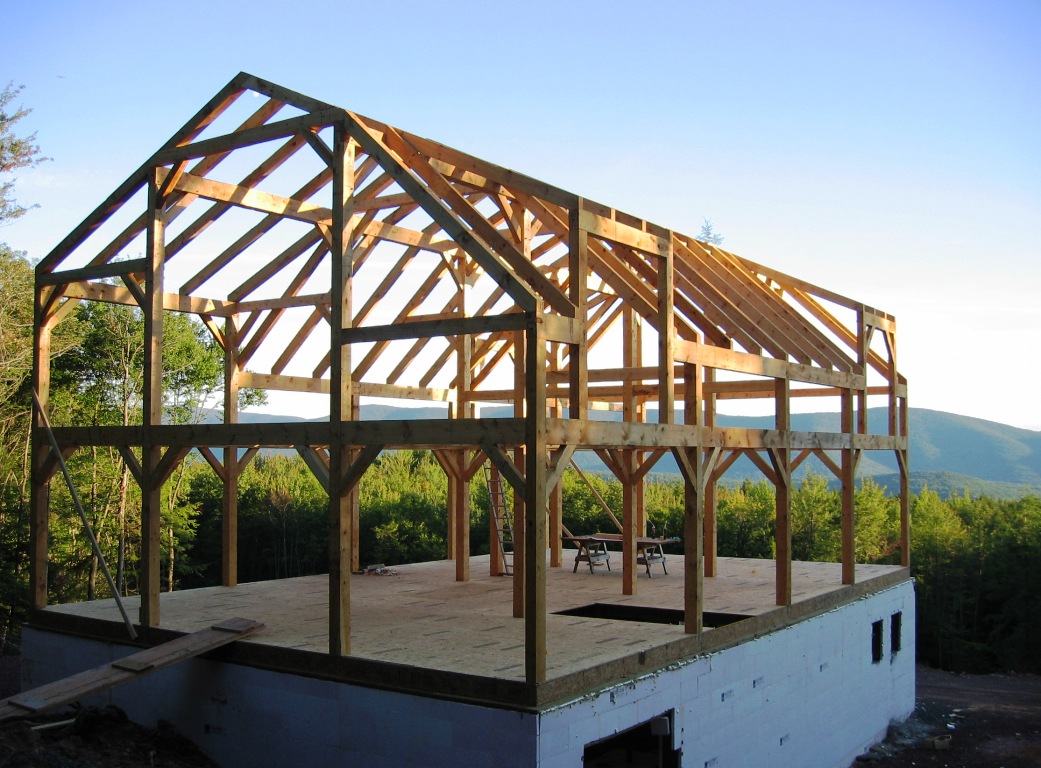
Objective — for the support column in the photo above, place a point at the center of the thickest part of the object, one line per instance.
(708, 401)
(578, 268)
(521, 409)
(630, 513)
(904, 460)
(631, 412)
(152, 409)
(454, 463)
(535, 495)
(341, 521)
(781, 458)
(694, 508)
(354, 496)
(693, 556)
(556, 510)
(847, 482)
(40, 489)
(230, 518)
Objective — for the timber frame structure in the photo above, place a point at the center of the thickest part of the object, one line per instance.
(334, 255)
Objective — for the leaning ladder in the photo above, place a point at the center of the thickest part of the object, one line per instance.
(501, 517)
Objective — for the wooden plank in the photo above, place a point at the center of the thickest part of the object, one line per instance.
(247, 137)
(617, 232)
(93, 681)
(112, 269)
(429, 328)
(254, 199)
(117, 294)
(743, 362)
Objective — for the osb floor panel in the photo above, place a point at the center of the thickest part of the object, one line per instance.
(418, 615)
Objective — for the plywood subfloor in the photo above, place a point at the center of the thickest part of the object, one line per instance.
(418, 615)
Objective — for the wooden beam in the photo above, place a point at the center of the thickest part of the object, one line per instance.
(505, 465)
(254, 199)
(248, 137)
(440, 213)
(743, 362)
(99, 272)
(430, 328)
(152, 411)
(340, 394)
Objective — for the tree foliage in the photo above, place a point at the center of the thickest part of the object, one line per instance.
(15, 152)
(708, 234)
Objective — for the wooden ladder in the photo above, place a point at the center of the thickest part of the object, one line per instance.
(501, 516)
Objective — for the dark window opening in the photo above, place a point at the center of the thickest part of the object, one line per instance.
(649, 743)
(648, 614)
(876, 642)
(895, 626)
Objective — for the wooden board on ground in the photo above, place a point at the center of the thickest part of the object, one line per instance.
(95, 680)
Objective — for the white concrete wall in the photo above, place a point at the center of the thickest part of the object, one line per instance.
(806, 695)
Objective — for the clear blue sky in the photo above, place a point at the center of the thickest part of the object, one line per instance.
(890, 151)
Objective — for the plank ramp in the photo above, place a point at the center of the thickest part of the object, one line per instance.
(107, 676)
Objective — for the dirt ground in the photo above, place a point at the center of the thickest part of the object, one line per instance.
(967, 721)
(960, 721)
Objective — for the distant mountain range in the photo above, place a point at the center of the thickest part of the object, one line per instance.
(950, 454)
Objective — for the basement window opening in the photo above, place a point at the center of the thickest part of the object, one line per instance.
(876, 642)
(648, 614)
(649, 743)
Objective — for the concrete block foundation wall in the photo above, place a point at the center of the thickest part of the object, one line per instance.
(819, 693)
(810, 694)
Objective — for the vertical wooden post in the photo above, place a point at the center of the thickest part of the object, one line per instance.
(496, 566)
(693, 556)
(666, 334)
(230, 519)
(898, 428)
(452, 517)
(354, 497)
(708, 401)
(152, 408)
(341, 521)
(459, 506)
(694, 508)
(535, 494)
(39, 525)
(578, 268)
(631, 355)
(556, 510)
(782, 466)
(521, 409)
(863, 345)
(848, 492)
(904, 459)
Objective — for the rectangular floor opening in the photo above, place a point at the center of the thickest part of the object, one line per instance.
(648, 614)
